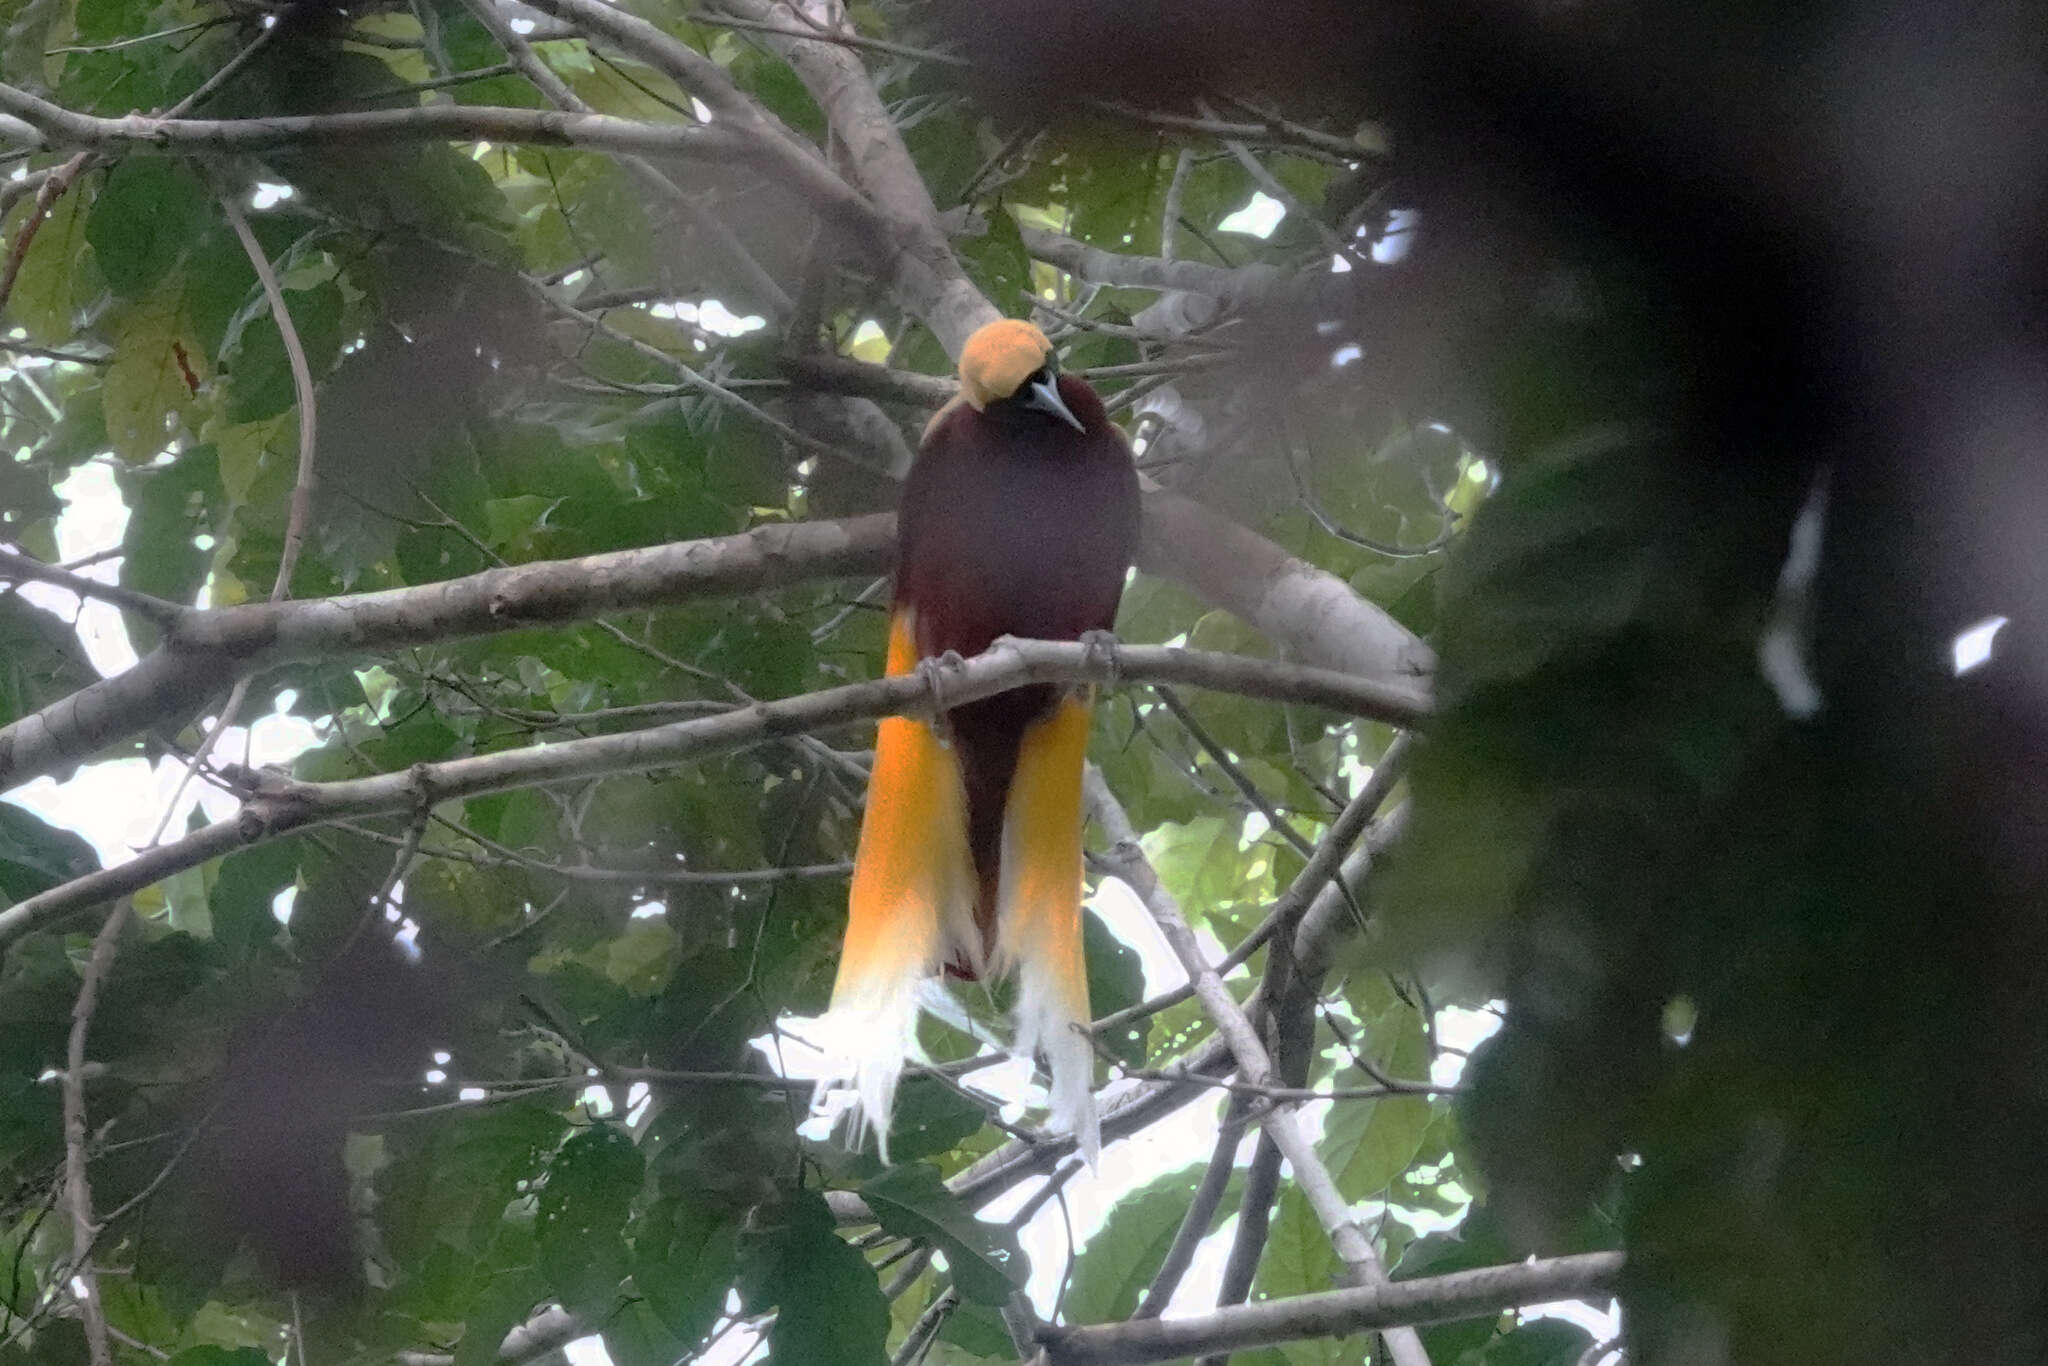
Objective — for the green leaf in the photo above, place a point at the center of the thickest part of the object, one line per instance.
(1539, 1342)
(685, 1257)
(1199, 862)
(43, 301)
(1116, 979)
(168, 507)
(910, 1199)
(184, 894)
(930, 1118)
(510, 523)
(978, 1329)
(219, 1356)
(258, 370)
(641, 959)
(829, 1307)
(1122, 1256)
(36, 856)
(505, 1303)
(1476, 1242)
(582, 1213)
(155, 363)
(144, 219)
(1299, 1261)
(998, 261)
(1368, 1144)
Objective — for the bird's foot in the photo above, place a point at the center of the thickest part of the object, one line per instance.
(1099, 651)
(938, 671)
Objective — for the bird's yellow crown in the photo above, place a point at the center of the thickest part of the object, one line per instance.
(998, 358)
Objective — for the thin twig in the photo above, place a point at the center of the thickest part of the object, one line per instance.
(826, 35)
(83, 1228)
(301, 514)
(1254, 1222)
(1194, 1224)
(926, 1330)
(1277, 130)
(559, 93)
(1353, 1249)
(215, 83)
(156, 37)
(302, 385)
(1321, 869)
(53, 186)
(1239, 779)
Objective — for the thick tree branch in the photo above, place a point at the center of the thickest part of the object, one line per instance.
(54, 125)
(558, 93)
(209, 648)
(1310, 611)
(787, 157)
(1098, 266)
(925, 272)
(280, 805)
(843, 375)
(1389, 1307)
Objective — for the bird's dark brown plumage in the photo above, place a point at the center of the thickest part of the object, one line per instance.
(1012, 523)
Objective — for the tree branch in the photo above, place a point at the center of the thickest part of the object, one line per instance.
(54, 125)
(21, 568)
(1194, 1224)
(558, 93)
(793, 160)
(1253, 1064)
(1231, 284)
(281, 805)
(1393, 1306)
(921, 262)
(207, 648)
(1308, 610)
(78, 1190)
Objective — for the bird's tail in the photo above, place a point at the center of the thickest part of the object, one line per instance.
(911, 905)
(1038, 912)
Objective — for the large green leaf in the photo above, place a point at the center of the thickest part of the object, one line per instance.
(144, 219)
(1122, 1256)
(258, 368)
(155, 371)
(685, 1256)
(911, 1200)
(1300, 1261)
(1369, 1143)
(578, 1226)
(827, 1302)
(1116, 979)
(44, 301)
(41, 659)
(35, 855)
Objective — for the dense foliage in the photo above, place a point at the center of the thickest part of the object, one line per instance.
(460, 1079)
(520, 356)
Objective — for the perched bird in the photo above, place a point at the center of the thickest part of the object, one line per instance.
(1019, 517)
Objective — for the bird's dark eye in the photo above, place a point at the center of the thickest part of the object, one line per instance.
(1042, 375)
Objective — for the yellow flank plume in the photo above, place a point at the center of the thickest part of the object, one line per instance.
(911, 904)
(998, 358)
(1038, 913)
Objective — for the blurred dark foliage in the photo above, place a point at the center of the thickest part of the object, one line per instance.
(267, 1174)
(1686, 269)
